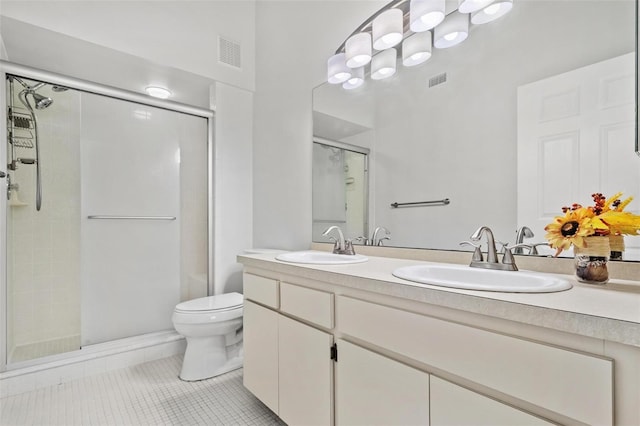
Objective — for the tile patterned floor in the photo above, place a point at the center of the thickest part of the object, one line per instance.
(147, 394)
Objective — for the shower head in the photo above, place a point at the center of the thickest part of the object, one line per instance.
(41, 101)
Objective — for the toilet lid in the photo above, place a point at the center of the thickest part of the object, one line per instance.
(221, 302)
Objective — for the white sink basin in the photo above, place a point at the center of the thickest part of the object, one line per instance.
(320, 258)
(465, 277)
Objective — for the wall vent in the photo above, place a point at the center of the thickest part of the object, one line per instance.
(438, 79)
(229, 52)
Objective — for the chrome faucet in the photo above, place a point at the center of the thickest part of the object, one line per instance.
(375, 241)
(341, 246)
(508, 262)
(522, 233)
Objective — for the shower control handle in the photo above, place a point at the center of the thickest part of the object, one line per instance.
(3, 174)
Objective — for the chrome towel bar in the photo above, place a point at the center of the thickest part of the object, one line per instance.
(443, 202)
(132, 217)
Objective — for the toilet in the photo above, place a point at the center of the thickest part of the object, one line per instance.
(212, 327)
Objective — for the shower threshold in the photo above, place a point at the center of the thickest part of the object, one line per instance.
(35, 350)
(139, 343)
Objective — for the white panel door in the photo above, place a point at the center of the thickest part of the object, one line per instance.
(374, 390)
(305, 374)
(130, 269)
(452, 405)
(576, 135)
(260, 338)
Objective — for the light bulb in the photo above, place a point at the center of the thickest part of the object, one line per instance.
(492, 10)
(356, 80)
(357, 50)
(157, 92)
(416, 49)
(387, 29)
(453, 30)
(425, 14)
(451, 36)
(337, 70)
(383, 65)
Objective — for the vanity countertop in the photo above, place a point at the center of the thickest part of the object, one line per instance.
(610, 312)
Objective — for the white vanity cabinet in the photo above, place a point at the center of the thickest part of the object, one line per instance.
(405, 362)
(578, 386)
(287, 362)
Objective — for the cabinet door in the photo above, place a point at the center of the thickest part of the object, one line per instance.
(305, 373)
(452, 405)
(375, 390)
(260, 335)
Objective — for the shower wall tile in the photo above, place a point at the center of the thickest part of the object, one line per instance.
(193, 202)
(41, 244)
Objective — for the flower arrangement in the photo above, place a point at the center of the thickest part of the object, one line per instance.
(605, 217)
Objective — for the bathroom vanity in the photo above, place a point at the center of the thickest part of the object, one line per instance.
(352, 344)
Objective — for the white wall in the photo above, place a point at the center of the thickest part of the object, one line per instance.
(232, 183)
(3, 50)
(294, 39)
(181, 34)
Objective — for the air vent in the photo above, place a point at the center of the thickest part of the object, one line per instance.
(438, 79)
(228, 52)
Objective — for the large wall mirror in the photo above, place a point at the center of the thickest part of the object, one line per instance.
(531, 113)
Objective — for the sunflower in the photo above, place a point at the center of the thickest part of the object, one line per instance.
(620, 223)
(571, 229)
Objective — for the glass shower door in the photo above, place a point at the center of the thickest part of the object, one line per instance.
(121, 236)
(130, 218)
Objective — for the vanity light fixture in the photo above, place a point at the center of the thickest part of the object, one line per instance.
(425, 14)
(493, 11)
(357, 50)
(356, 80)
(418, 24)
(383, 65)
(337, 69)
(387, 29)
(453, 30)
(416, 49)
(157, 92)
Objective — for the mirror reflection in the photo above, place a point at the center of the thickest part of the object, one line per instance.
(531, 113)
(339, 188)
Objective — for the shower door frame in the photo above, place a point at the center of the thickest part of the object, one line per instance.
(112, 92)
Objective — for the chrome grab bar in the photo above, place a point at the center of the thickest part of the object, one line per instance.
(443, 202)
(132, 217)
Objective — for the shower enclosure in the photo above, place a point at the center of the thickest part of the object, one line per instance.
(105, 214)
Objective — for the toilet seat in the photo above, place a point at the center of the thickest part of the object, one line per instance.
(219, 303)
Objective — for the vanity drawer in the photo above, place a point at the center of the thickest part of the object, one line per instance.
(312, 305)
(260, 289)
(572, 384)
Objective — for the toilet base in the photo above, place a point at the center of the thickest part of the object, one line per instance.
(209, 357)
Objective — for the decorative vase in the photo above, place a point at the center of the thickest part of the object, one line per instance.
(591, 260)
(616, 242)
